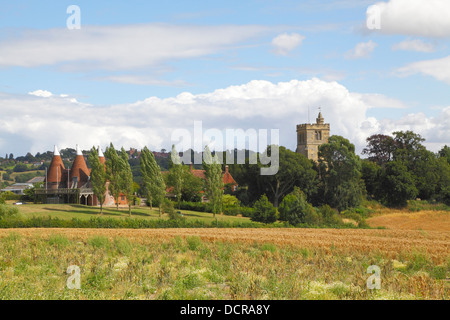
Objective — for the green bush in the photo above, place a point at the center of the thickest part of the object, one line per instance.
(7, 212)
(235, 210)
(264, 211)
(193, 206)
(296, 210)
(8, 195)
(330, 216)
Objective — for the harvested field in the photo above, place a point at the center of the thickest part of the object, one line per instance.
(423, 220)
(436, 244)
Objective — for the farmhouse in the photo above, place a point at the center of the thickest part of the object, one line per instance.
(226, 176)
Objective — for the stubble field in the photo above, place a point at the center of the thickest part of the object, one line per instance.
(224, 263)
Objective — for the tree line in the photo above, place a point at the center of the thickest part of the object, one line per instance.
(396, 169)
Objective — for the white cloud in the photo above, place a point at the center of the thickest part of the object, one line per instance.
(362, 50)
(437, 68)
(120, 47)
(428, 18)
(41, 93)
(285, 43)
(414, 45)
(375, 100)
(257, 104)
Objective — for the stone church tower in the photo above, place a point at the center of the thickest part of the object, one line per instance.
(311, 136)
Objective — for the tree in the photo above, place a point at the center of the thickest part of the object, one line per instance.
(397, 185)
(341, 173)
(294, 170)
(295, 209)
(98, 177)
(445, 153)
(126, 178)
(191, 187)
(380, 148)
(443, 186)
(213, 180)
(176, 174)
(20, 167)
(408, 147)
(152, 179)
(113, 172)
(371, 173)
(264, 211)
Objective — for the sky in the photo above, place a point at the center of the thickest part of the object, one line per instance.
(134, 72)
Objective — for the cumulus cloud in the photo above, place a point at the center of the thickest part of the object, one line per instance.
(257, 104)
(437, 68)
(428, 18)
(41, 93)
(414, 45)
(285, 43)
(361, 50)
(119, 47)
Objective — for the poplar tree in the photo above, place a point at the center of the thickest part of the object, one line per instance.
(98, 177)
(152, 179)
(213, 180)
(176, 173)
(113, 172)
(126, 178)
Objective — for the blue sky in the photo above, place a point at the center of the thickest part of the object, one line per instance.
(122, 76)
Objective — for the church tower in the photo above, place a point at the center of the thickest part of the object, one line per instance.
(311, 136)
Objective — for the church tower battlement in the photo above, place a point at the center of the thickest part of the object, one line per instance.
(311, 136)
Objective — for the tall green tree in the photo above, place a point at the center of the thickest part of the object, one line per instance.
(443, 188)
(371, 175)
(445, 153)
(176, 174)
(397, 185)
(213, 180)
(380, 148)
(152, 179)
(113, 173)
(294, 170)
(98, 177)
(126, 179)
(191, 186)
(340, 171)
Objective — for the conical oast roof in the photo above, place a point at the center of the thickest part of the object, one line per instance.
(56, 169)
(101, 156)
(79, 169)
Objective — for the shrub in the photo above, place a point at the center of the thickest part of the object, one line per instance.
(296, 210)
(8, 195)
(264, 211)
(329, 215)
(193, 206)
(168, 208)
(8, 212)
(235, 210)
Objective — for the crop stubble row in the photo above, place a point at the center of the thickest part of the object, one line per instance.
(434, 243)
